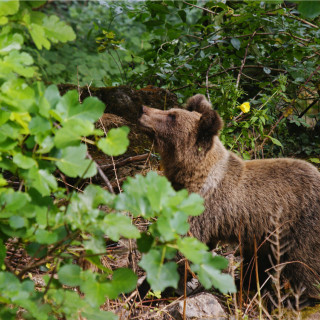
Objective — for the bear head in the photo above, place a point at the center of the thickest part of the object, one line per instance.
(178, 132)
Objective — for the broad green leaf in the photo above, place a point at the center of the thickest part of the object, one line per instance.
(116, 225)
(8, 7)
(69, 275)
(17, 222)
(158, 191)
(309, 9)
(23, 161)
(116, 142)
(39, 126)
(17, 94)
(314, 160)
(160, 275)
(192, 205)
(192, 249)
(209, 274)
(145, 242)
(13, 201)
(52, 95)
(72, 131)
(134, 199)
(38, 35)
(94, 196)
(9, 42)
(46, 237)
(41, 180)
(57, 30)
(72, 162)
(69, 108)
(16, 62)
(45, 144)
(123, 281)
(170, 223)
(95, 291)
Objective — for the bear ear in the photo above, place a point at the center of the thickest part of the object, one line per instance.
(198, 103)
(209, 125)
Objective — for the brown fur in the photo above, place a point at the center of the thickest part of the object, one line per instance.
(241, 197)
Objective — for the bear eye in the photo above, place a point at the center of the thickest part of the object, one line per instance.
(172, 116)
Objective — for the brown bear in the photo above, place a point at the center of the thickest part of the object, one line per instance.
(243, 199)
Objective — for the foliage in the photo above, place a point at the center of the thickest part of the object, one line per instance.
(231, 51)
(234, 53)
(44, 136)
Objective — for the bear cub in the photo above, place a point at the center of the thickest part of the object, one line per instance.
(243, 199)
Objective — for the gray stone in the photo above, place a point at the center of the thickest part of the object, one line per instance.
(202, 306)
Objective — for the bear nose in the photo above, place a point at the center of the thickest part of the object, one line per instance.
(144, 109)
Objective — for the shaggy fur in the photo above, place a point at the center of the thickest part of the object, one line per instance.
(241, 197)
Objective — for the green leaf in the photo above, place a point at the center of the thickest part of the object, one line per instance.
(123, 281)
(38, 35)
(24, 162)
(72, 131)
(170, 223)
(69, 108)
(39, 126)
(17, 94)
(8, 7)
(57, 30)
(309, 9)
(193, 205)
(44, 182)
(72, 162)
(209, 275)
(116, 225)
(9, 42)
(160, 275)
(46, 237)
(145, 242)
(192, 249)
(236, 43)
(14, 201)
(16, 62)
(275, 141)
(314, 160)
(69, 275)
(158, 191)
(52, 95)
(17, 222)
(94, 196)
(116, 142)
(95, 291)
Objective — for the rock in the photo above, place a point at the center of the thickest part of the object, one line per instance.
(201, 306)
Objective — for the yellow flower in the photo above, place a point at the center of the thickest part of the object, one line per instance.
(288, 111)
(245, 107)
